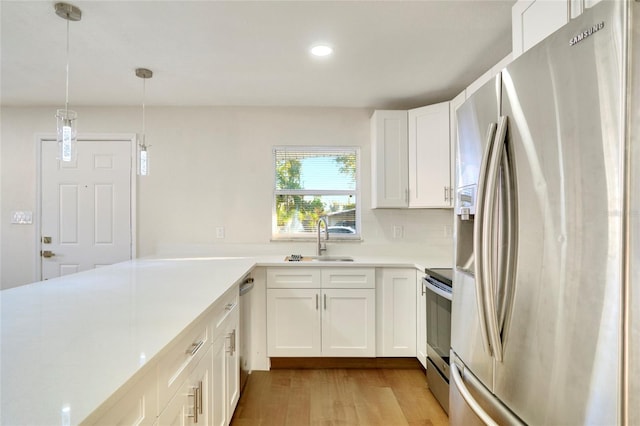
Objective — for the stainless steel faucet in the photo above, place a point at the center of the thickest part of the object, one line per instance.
(322, 246)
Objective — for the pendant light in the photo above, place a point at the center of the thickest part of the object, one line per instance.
(66, 119)
(143, 154)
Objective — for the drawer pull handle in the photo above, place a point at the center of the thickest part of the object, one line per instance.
(229, 306)
(197, 402)
(231, 348)
(194, 348)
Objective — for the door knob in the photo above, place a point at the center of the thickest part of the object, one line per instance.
(47, 253)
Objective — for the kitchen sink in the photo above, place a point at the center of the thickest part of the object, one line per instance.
(295, 258)
(330, 259)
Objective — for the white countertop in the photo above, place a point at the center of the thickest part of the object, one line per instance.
(69, 343)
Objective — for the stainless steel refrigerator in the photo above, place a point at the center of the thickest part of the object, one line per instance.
(546, 303)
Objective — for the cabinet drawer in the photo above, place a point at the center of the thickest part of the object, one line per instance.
(174, 367)
(223, 309)
(348, 278)
(288, 277)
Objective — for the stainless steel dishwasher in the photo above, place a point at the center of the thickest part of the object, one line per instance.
(245, 337)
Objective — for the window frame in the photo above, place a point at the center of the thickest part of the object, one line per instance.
(299, 236)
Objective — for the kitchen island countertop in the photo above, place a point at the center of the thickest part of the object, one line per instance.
(69, 343)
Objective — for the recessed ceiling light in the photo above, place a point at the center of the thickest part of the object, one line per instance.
(321, 50)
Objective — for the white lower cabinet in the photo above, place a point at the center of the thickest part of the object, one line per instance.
(348, 322)
(421, 323)
(293, 322)
(226, 366)
(218, 391)
(396, 317)
(192, 404)
(313, 322)
(211, 390)
(232, 370)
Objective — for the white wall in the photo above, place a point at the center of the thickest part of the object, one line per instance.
(210, 166)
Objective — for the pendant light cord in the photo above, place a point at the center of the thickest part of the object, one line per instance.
(66, 97)
(144, 84)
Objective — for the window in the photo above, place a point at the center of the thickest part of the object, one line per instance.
(312, 182)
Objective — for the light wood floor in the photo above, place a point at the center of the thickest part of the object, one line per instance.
(368, 397)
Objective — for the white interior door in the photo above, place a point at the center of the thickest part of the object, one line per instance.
(86, 215)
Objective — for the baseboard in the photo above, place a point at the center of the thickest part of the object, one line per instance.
(321, 362)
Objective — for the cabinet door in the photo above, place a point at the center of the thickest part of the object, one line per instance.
(429, 157)
(293, 322)
(421, 322)
(201, 379)
(218, 388)
(232, 366)
(397, 313)
(389, 154)
(453, 119)
(534, 20)
(191, 405)
(348, 322)
(176, 411)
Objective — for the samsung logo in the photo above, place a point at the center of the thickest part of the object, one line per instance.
(586, 33)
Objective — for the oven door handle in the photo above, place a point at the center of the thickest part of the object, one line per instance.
(436, 290)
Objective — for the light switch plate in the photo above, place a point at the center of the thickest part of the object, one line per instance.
(22, 217)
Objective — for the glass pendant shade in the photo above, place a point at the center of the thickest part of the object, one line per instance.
(143, 157)
(67, 134)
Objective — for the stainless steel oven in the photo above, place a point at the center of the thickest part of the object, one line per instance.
(438, 285)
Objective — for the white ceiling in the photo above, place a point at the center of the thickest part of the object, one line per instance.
(387, 54)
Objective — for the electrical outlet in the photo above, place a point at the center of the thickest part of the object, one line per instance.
(398, 232)
(219, 231)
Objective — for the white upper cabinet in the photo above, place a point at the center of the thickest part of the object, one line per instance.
(453, 106)
(389, 167)
(429, 157)
(411, 154)
(533, 20)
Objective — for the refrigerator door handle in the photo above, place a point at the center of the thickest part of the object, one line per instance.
(509, 255)
(466, 395)
(478, 236)
(488, 223)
